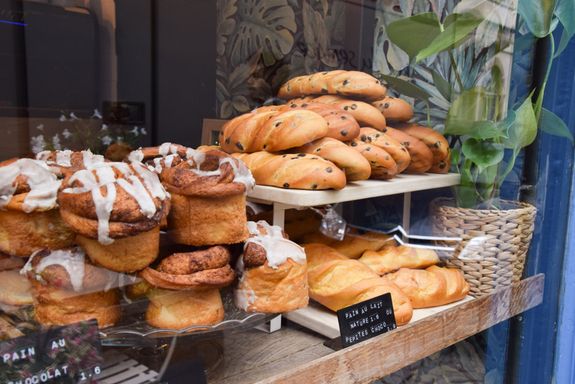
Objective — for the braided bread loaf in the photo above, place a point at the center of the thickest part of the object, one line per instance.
(366, 114)
(272, 130)
(338, 82)
(383, 167)
(299, 171)
(391, 146)
(435, 141)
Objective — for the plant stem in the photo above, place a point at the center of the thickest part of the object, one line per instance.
(455, 70)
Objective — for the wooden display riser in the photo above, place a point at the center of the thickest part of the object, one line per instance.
(296, 355)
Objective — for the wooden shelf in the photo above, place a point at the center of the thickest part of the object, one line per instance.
(295, 355)
(353, 191)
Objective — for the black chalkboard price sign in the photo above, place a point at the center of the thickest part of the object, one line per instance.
(365, 320)
(69, 354)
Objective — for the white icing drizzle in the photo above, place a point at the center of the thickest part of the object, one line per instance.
(137, 155)
(71, 260)
(89, 159)
(167, 148)
(278, 249)
(102, 175)
(43, 184)
(243, 298)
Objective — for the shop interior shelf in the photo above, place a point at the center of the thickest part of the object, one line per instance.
(296, 355)
(353, 191)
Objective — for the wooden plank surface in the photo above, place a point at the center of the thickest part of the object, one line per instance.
(358, 190)
(380, 356)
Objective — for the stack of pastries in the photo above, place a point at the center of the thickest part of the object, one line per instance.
(412, 270)
(333, 129)
(75, 225)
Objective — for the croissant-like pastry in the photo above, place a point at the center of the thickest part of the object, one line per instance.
(29, 216)
(68, 289)
(208, 189)
(273, 272)
(116, 210)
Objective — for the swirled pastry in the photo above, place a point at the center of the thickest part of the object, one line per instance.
(115, 209)
(208, 189)
(29, 216)
(273, 272)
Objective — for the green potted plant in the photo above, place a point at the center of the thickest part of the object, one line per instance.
(486, 137)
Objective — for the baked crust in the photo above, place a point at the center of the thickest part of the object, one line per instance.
(391, 258)
(424, 288)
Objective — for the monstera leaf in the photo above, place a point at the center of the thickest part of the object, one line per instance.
(226, 9)
(266, 25)
(316, 36)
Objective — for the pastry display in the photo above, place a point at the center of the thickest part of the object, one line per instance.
(115, 209)
(430, 287)
(392, 257)
(420, 154)
(29, 215)
(67, 162)
(366, 114)
(67, 289)
(272, 272)
(338, 282)
(435, 141)
(295, 171)
(338, 82)
(383, 166)
(208, 193)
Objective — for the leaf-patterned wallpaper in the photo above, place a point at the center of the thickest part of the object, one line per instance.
(262, 43)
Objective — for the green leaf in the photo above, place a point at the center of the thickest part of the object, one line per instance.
(458, 27)
(442, 85)
(405, 87)
(483, 153)
(486, 130)
(538, 15)
(415, 33)
(523, 130)
(553, 125)
(565, 12)
(473, 105)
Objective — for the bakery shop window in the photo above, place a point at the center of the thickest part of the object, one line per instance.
(218, 191)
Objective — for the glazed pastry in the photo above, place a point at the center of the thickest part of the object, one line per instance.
(341, 125)
(197, 270)
(272, 131)
(208, 190)
(293, 171)
(338, 282)
(383, 166)
(29, 215)
(421, 155)
(381, 139)
(116, 210)
(338, 82)
(65, 163)
(355, 166)
(394, 109)
(393, 257)
(68, 289)
(273, 272)
(365, 114)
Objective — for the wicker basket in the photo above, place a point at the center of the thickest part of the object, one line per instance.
(495, 241)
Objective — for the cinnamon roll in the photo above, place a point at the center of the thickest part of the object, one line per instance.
(115, 209)
(273, 272)
(29, 216)
(208, 189)
(65, 163)
(68, 289)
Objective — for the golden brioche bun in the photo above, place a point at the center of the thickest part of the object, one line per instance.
(181, 309)
(128, 254)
